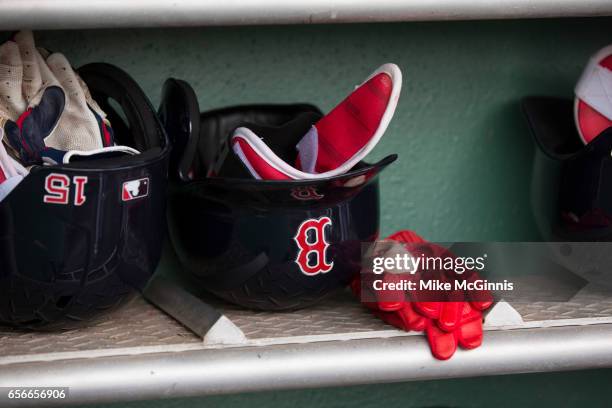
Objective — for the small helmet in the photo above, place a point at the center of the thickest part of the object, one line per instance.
(77, 239)
(261, 244)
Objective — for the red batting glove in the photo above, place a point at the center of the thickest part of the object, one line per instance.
(447, 323)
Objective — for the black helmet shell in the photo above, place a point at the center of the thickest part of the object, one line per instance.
(266, 245)
(79, 239)
(571, 197)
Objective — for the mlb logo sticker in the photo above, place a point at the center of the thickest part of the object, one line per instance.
(135, 189)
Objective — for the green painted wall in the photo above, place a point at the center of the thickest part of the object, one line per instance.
(465, 155)
(464, 152)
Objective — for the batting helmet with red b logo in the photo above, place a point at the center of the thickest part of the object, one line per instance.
(268, 245)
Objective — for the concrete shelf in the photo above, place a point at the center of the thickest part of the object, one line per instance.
(63, 14)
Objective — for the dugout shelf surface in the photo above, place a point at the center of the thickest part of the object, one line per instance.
(138, 352)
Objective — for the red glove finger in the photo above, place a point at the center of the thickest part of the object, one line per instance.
(443, 344)
(469, 333)
(450, 315)
(481, 305)
(482, 299)
(430, 310)
(446, 314)
(414, 321)
(405, 319)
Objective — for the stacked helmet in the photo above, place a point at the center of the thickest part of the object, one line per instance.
(571, 199)
(573, 162)
(261, 244)
(78, 239)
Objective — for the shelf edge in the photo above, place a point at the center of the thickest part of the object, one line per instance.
(293, 366)
(69, 14)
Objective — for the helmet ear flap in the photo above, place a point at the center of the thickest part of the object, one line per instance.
(179, 113)
(132, 117)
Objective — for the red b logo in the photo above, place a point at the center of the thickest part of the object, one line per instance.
(318, 246)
